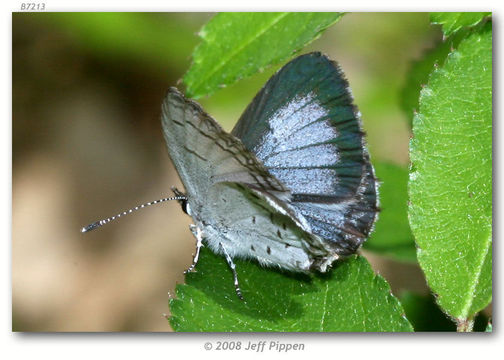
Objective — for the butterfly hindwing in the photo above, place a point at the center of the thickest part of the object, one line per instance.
(255, 224)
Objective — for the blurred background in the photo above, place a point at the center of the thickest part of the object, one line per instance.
(87, 144)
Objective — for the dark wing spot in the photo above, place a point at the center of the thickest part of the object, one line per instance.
(253, 219)
(287, 245)
(284, 226)
(268, 250)
(279, 234)
(252, 247)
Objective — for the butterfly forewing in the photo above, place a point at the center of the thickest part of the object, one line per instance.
(204, 154)
(305, 129)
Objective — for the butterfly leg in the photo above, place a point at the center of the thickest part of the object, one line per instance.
(199, 244)
(233, 269)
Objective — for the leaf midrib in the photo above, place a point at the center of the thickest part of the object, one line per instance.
(472, 288)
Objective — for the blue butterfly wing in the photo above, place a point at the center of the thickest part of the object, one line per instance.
(304, 128)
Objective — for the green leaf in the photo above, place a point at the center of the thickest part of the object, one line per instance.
(424, 314)
(392, 235)
(350, 298)
(419, 71)
(453, 21)
(450, 184)
(237, 45)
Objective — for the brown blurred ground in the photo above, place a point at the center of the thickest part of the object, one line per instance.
(87, 144)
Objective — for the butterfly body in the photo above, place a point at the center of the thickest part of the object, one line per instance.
(292, 186)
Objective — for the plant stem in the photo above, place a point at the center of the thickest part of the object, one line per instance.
(465, 325)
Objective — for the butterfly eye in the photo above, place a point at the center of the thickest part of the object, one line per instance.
(185, 207)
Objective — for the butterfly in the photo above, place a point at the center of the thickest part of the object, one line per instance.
(292, 185)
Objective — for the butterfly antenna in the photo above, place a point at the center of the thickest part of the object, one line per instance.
(99, 223)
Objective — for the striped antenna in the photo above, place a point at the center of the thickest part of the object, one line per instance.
(99, 223)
